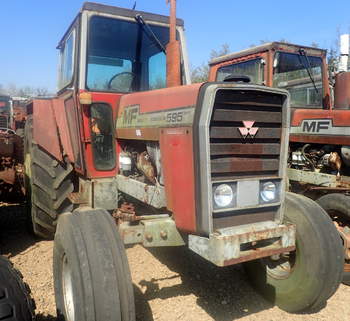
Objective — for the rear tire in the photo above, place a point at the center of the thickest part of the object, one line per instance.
(91, 272)
(15, 301)
(308, 277)
(338, 204)
(48, 185)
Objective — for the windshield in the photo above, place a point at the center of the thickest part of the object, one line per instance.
(123, 57)
(252, 68)
(4, 107)
(299, 74)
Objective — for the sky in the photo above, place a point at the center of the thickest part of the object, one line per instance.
(31, 29)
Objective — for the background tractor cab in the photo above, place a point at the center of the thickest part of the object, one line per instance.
(299, 69)
(6, 112)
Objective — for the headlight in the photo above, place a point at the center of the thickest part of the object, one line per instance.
(223, 195)
(268, 192)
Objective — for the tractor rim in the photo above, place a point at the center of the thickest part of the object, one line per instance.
(68, 289)
(27, 165)
(280, 267)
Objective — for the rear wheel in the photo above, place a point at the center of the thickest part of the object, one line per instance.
(15, 301)
(304, 279)
(48, 185)
(338, 207)
(91, 272)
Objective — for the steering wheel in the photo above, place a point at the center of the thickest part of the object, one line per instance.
(109, 86)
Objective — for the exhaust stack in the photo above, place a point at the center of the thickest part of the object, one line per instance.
(173, 63)
(344, 52)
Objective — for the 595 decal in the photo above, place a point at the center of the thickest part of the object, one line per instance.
(174, 117)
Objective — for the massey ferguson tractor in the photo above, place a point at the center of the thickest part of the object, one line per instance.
(16, 303)
(11, 154)
(319, 151)
(130, 153)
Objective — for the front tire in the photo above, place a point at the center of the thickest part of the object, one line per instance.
(338, 207)
(15, 301)
(306, 278)
(91, 273)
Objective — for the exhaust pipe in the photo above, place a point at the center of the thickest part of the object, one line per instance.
(344, 52)
(173, 59)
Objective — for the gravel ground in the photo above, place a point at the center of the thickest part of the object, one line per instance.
(169, 284)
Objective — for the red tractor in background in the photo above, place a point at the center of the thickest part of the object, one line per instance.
(16, 303)
(129, 152)
(319, 149)
(11, 154)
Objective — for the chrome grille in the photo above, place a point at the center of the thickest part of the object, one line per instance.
(232, 156)
(3, 122)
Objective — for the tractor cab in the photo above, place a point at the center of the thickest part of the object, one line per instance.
(6, 112)
(106, 53)
(116, 50)
(299, 69)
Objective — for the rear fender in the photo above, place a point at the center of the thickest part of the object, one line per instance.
(50, 128)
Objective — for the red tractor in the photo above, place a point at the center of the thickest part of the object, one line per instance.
(16, 303)
(11, 154)
(319, 158)
(129, 152)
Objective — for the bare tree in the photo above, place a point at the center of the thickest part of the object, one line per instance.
(201, 73)
(41, 91)
(2, 90)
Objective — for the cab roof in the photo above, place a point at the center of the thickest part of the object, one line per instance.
(123, 12)
(268, 46)
(5, 97)
(92, 6)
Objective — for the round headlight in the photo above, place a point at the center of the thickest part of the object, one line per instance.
(268, 192)
(223, 195)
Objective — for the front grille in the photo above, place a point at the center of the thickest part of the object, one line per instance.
(223, 155)
(3, 122)
(232, 156)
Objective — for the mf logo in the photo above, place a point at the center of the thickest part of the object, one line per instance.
(248, 129)
(130, 114)
(316, 125)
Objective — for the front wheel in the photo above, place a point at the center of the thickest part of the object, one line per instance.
(16, 303)
(338, 208)
(91, 273)
(306, 278)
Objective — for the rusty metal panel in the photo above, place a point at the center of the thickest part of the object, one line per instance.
(321, 179)
(64, 134)
(105, 193)
(240, 244)
(45, 127)
(152, 233)
(177, 160)
(240, 115)
(341, 91)
(241, 164)
(244, 149)
(148, 194)
(74, 133)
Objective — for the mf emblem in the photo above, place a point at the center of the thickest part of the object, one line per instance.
(248, 129)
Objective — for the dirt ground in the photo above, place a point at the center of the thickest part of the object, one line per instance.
(170, 284)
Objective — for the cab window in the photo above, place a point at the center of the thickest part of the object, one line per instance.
(254, 69)
(123, 56)
(66, 61)
(301, 75)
